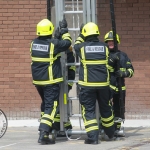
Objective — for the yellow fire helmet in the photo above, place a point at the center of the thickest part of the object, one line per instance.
(44, 28)
(109, 36)
(90, 29)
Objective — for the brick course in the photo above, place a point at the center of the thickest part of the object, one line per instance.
(18, 19)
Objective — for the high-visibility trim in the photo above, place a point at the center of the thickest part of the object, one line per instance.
(47, 116)
(51, 62)
(106, 61)
(42, 113)
(65, 35)
(93, 84)
(113, 87)
(123, 88)
(107, 119)
(56, 120)
(108, 76)
(116, 89)
(54, 109)
(108, 124)
(131, 72)
(123, 69)
(46, 122)
(84, 65)
(73, 68)
(71, 84)
(94, 62)
(50, 72)
(83, 113)
(67, 38)
(51, 117)
(58, 115)
(118, 125)
(48, 82)
(107, 52)
(90, 122)
(111, 69)
(80, 39)
(77, 42)
(67, 124)
(46, 59)
(82, 53)
(91, 128)
(128, 62)
(31, 47)
(109, 103)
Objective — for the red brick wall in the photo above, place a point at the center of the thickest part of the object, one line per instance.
(18, 19)
(133, 27)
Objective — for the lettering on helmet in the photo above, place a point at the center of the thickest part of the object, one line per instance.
(40, 47)
(94, 49)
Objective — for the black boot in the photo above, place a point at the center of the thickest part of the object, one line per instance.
(88, 141)
(44, 138)
(112, 138)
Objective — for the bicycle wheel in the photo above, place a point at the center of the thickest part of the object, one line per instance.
(3, 123)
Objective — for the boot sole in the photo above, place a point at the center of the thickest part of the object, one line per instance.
(46, 143)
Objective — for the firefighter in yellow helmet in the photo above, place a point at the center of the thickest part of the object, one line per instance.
(126, 71)
(46, 70)
(94, 81)
(71, 76)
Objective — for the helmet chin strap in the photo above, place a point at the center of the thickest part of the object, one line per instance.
(112, 49)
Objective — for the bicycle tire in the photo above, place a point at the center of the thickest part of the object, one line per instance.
(3, 123)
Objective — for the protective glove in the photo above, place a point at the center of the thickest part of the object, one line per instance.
(114, 58)
(63, 31)
(57, 34)
(122, 74)
(63, 23)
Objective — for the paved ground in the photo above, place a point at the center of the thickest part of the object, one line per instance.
(23, 135)
(25, 138)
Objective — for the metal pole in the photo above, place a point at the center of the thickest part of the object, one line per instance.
(118, 63)
(49, 9)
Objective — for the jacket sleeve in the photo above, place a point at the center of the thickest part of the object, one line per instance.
(112, 61)
(64, 43)
(78, 44)
(126, 65)
(129, 67)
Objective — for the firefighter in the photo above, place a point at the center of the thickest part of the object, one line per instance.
(126, 71)
(71, 76)
(46, 70)
(94, 81)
